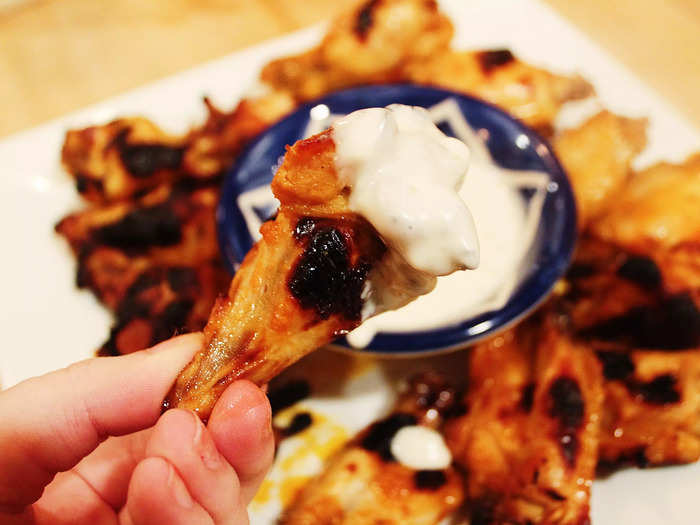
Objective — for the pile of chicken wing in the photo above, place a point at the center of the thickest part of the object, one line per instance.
(606, 373)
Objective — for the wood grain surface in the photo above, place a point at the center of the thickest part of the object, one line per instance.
(59, 55)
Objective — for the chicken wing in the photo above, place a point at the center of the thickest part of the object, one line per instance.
(529, 438)
(368, 45)
(634, 296)
(364, 483)
(527, 92)
(154, 261)
(130, 156)
(597, 157)
(300, 286)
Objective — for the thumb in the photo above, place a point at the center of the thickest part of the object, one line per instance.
(50, 423)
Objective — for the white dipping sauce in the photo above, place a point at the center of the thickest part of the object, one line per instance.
(420, 448)
(404, 174)
(499, 216)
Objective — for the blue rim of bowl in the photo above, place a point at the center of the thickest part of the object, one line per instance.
(235, 240)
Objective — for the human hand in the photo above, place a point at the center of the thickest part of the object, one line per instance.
(60, 462)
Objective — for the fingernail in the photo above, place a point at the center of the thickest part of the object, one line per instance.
(205, 446)
(177, 487)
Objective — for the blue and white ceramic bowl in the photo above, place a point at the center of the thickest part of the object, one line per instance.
(246, 200)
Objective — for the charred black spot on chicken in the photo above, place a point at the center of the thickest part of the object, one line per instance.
(143, 160)
(527, 397)
(429, 479)
(659, 391)
(636, 457)
(580, 270)
(379, 435)
(181, 277)
(567, 407)
(141, 302)
(365, 19)
(641, 270)
(483, 512)
(553, 494)
(172, 320)
(305, 227)
(299, 423)
(141, 228)
(85, 184)
(288, 394)
(133, 305)
(616, 365)
(324, 278)
(671, 324)
(493, 59)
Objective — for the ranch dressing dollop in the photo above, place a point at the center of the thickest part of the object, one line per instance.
(420, 448)
(404, 175)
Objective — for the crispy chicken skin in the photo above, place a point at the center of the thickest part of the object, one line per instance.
(368, 45)
(531, 94)
(129, 156)
(597, 156)
(297, 289)
(363, 483)
(529, 439)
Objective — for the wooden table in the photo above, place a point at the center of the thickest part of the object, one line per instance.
(59, 55)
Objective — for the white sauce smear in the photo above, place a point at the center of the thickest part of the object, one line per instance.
(499, 217)
(420, 448)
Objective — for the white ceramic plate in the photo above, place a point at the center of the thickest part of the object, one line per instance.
(47, 323)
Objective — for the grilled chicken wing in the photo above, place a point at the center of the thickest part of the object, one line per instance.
(407, 41)
(301, 286)
(154, 261)
(597, 157)
(364, 483)
(129, 156)
(529, 439)
(529, 93)
(634, 296)
(368, 45)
